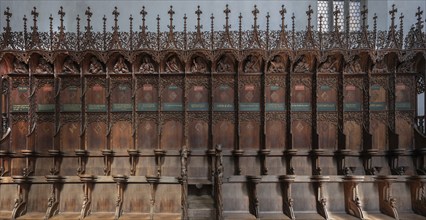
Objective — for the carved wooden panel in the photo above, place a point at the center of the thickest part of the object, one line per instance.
(147, 93)
(147, 131)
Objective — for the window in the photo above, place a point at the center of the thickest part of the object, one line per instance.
(326, 9)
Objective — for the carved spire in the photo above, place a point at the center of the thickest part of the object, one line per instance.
(320, 30)
(115, 41)
(143, 40)
(267, 30)
(88, 36)
(401, 30)
(419, 29)
(61, 38)
(364, 29)
(51, 31)
(391, 40)
(78, 32)
(7, 30)
(104, 19)
(419, 23)
(116, 14)
(185, 39)
(283, 42)
(199, 41)
(25, 31)
(89, 14)
(35, 40)
(336, 41)
(240, 31)
(158, 32)
(212, 31)
(293, 32)
(374, 30)
(171, 37)
(227, 25)
(131, 31)
(61, 14)
(226, 37)
(255, 41)
(309, 38)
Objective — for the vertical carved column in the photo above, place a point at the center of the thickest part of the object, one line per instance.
(218, 182)
(315, 154)
(20, 206)
(86, 208)
(153, 181)
(4, 162)
(159, 159)
(53, 201)
(253, 198)
(321, 200)
(286, 181)
(290, 153)
(120, 180)
(418, 194)
(134, 157)
(352, 200)
(29, 161)
(263, 157)
(386, 201)
(82, 160)
(108, 156)
(184, 182)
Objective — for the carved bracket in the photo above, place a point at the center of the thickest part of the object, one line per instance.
(253, 198)
(286, 181)
(321, 200)
(120, 180)
(87, 195)
(153, 182)
(53, 201)
(218, 177)
(352, 200)
(386, 201)
(20, 206)
(418, 197)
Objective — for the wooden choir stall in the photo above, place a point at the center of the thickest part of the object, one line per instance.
(269, 123)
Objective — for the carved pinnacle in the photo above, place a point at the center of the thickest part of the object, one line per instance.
(364, 13)
(227, 11)
(62, 15)
(419, 19)
(198, 12)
